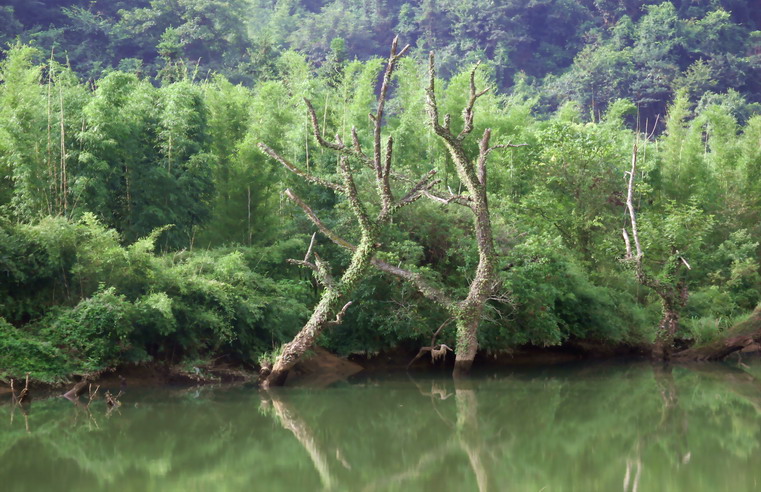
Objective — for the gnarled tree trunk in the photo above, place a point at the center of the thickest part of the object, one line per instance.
(336, 292)
(472, 173)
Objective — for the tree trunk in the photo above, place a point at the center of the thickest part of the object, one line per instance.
(664, 340)
(293, 350)
(322, 314)
(481, 288)
(467, 345)
(736, 338)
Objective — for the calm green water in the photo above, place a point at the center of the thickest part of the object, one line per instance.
(585, 428)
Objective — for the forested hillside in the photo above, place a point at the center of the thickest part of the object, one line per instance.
(587, 51)
(139, 219)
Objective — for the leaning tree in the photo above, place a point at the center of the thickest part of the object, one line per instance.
(334, 300)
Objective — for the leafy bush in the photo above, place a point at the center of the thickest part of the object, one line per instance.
(21, 352)
(88, 303)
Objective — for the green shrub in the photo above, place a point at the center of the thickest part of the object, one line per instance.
(20, 352)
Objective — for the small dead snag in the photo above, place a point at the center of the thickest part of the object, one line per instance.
(113, 400)
(23, 396)
(673, 295)
(333, 302)
(436, 353)
(91, 393)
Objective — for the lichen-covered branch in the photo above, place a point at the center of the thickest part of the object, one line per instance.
(467, 113)
(353, 196)
(421, 188)
(295, 170)
(320, 269)
(473, 175)
(316, 220)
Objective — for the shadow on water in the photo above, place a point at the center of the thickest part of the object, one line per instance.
(634, 427)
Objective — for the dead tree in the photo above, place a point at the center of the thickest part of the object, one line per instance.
(672, 290)
(329, 310)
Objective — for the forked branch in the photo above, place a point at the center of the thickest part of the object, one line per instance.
(421, 188)
(484, 150)
(320, 269)
(467, 113)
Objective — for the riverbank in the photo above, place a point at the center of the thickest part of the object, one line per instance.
(323, 368)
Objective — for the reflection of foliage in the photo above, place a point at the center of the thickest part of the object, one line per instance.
(550, 428)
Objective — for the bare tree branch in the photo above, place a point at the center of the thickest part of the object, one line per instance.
(309, 177)
(316, 220)
(421, 188)
(383, 167)
(357, 146)
(484, 150)
(387, 197)
(433, 108)
(340, 315)
(463, 200)
(316, 129)
(311, 245)
(628, 244)
(320, 269)
(483, 153)
(353, 195)
(421, 284)
(441, 327)
(630, 205)
(467, 114)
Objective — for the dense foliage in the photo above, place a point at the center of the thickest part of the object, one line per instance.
(139, 220)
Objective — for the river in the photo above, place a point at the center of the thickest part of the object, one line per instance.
(577, 427)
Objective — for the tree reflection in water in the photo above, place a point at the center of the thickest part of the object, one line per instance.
(586, 427)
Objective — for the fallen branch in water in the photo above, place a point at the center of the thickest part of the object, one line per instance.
(436, 354)
(77, 390)
(113, 401)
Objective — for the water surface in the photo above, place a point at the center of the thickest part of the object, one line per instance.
(582, 427)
